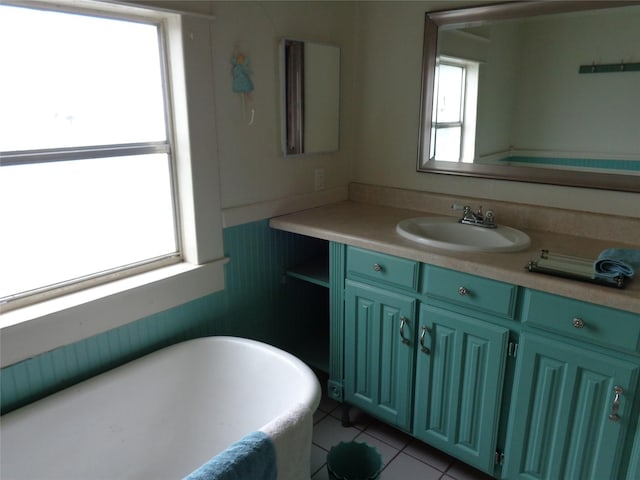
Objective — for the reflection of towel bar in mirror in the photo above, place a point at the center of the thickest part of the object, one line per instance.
(311, 97)
(610, 68)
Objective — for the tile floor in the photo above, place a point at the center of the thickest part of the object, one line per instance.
(404, 458)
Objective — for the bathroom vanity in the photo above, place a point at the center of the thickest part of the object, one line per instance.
(518, 374)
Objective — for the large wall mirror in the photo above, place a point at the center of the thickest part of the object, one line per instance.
(545, 92)
(311, 97)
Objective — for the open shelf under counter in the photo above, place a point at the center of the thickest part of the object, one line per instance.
(314, 351)
(315, 270)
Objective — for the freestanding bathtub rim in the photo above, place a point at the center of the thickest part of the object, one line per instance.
(294, 384)
(311, 402)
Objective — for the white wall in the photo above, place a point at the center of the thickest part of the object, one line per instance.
(389, 64)
(577, 106)
(253, 168)
(381, 69)
(497, 91)
(257, 180)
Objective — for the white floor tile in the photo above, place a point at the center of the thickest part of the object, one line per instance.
(318, 415)
(388, 434)
(329, 432)
(405, 467)
(428, 454)
(318, 458)
(321, 474)
(386, 451)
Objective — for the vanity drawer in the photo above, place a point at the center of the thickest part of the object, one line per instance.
(381, 267)
(478, 293)
(582, 320)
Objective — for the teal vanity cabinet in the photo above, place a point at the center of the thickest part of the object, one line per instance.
(461, 364)
(573, 402)
(452, 397)
(518, 383)
(379, 356)
(633, 471)
(379, 334)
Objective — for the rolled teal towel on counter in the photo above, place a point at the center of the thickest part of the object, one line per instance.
(617, 261)
(253, 457)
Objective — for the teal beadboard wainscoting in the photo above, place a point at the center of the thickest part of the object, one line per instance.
(258, 302)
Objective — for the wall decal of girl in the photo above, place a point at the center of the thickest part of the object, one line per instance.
(241, 81)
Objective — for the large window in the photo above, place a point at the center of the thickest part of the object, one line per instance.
(87, 175)
(454, 114)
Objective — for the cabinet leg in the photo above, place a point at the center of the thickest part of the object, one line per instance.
(346, 420)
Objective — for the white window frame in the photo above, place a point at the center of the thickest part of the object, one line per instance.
(94, 152)
(469, 106)
(37, 328)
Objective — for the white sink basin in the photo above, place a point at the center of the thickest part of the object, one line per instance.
(449, 234)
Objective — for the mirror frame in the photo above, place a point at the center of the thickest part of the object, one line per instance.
(293, 75)
(475, 16)
(294, 100)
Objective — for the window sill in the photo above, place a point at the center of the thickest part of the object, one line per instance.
(35, 329)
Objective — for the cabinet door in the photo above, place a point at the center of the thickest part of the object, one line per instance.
(459, 383)
(567, 421)
(378, 363)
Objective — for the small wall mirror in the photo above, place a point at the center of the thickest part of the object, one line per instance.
(538, 91)
(311, 97)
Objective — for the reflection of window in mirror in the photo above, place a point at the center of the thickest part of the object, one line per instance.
(453, 128)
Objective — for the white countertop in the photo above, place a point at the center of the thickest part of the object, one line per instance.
(373, 227)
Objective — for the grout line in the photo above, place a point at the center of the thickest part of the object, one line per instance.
(321, 418)
(363, 429)
(397, 450)
(390, 461)
(446, 469)
(320, 468)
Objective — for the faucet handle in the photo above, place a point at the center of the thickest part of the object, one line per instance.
(458, 206)
(489, 217)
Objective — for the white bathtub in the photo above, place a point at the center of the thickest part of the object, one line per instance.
(164, 415)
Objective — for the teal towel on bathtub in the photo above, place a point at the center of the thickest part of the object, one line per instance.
(617, 261)
(253, 457)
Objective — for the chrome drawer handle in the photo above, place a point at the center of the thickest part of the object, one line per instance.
(578, 322)
(425, 350)
(463, 291)
(403, 321)
(614, 417)
(377, 267)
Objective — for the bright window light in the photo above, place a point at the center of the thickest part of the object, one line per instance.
(450, 93)
(86, 184)
(76, 80)
(454, 113)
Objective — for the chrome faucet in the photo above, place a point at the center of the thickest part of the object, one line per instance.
(478, 218)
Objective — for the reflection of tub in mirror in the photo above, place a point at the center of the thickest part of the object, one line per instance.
(311, 97)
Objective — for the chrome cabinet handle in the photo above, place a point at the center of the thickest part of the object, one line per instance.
(463, 291)
(403, 321)
(425, 350)
(377, 267)
(614, 417)
(578, 322)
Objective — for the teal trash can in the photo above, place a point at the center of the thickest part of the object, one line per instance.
(354, 461)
